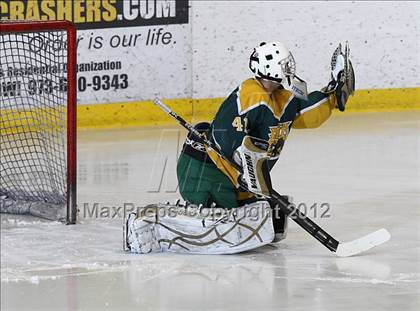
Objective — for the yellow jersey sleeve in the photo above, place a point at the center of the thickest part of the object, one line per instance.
(316, 112)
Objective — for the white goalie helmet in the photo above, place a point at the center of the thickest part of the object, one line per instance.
(273, 61)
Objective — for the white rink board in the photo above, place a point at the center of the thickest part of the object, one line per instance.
(210, 56)
(384, 40)
(205, 52)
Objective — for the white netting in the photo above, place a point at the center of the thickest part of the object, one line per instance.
(33, 103)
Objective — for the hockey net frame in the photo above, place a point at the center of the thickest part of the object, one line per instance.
(19, 26)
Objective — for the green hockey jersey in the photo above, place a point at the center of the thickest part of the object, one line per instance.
(250, 110)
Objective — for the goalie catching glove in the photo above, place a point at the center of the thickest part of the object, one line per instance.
(342, 74)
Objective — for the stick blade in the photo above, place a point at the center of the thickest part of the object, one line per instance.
(363, 244)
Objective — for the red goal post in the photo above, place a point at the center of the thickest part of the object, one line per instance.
(34, 27)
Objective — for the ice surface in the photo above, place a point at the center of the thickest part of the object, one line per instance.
(366, 166)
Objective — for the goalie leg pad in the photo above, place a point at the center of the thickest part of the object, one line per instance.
(201, 231)
(140, 235)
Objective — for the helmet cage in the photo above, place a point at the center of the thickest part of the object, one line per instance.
(288, 66)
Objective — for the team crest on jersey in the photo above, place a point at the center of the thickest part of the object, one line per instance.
(277, 137)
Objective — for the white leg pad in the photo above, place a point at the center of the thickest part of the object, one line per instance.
(237, 230)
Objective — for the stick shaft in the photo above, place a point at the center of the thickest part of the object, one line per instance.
(300, 218)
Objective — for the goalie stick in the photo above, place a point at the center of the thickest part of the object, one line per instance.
(340, 249)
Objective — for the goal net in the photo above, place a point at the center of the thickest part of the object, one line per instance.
(37, 120)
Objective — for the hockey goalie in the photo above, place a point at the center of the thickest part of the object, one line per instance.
(228, 211)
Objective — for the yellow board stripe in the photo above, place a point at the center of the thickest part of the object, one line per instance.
(385, 100)
(145, 113)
